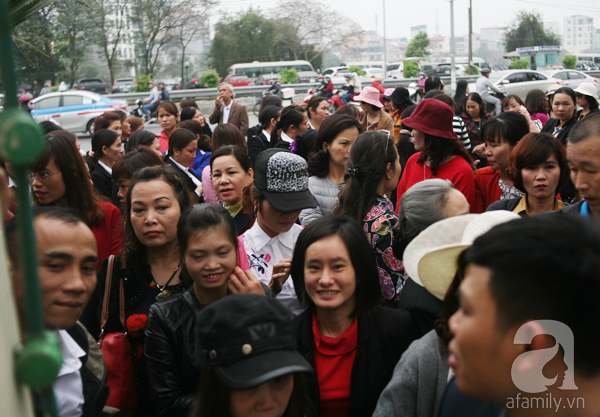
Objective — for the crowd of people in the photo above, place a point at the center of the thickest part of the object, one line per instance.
(384, 260)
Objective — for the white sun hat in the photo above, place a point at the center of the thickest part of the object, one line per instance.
(431, 258)
(588, 89)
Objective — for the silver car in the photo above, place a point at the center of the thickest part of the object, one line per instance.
(572, 78)
(519, 82)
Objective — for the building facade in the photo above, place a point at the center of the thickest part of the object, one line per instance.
(578, 33)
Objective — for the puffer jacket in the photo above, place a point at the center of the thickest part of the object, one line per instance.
(326, 193)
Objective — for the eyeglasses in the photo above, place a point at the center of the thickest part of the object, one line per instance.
(42, 176)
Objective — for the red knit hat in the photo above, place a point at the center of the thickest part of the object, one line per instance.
(432, 117)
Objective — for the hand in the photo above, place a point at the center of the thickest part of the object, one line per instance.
(199, 190)
(479, 150)
(525, 113)
(281, 272)
(218, 102)
(241, 282)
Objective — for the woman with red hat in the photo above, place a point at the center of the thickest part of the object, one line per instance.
(439, 152)
(374, 118)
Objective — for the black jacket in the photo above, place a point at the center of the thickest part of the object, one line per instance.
(564, 132)
(454, 403)
(93, 375)
(172, 351)
(102, 181)
(423, 306)
(508, 205)
(383, 336)
(304, 143)
(256, 144)
(191, 186)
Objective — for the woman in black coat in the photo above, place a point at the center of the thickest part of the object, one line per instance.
(183, 145)
(352, 343)
(262, 140)
(106, 148)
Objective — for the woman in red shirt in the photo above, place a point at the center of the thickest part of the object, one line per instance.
(493, 183)
(352, 343)
(60, 178)
(440, 154)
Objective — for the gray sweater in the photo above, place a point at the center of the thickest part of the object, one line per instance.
(326, 193)
(419, 380)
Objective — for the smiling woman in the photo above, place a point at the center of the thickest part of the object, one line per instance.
(352, 343)
(149, 267)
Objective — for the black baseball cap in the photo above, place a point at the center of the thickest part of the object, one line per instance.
(282, 177)
(248, 339)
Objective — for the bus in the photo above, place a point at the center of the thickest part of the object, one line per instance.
(589, 57)
(255, 69)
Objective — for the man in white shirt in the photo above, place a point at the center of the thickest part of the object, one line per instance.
(67, 259)
(227, 111)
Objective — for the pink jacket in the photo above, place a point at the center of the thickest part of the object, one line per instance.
(209, 192)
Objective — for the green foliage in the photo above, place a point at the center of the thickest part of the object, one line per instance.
(248, 38)
(411, 69)
(22, 10)
(418, 46)
(357, 70)
(569, 61)
(528, 30)
(519, 64)
(289, 76)
(475, 69)
(209, 79)
(142, 83)
(72, 20)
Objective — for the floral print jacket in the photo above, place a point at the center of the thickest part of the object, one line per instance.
(380, 225)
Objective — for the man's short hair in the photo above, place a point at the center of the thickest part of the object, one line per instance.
(589, 126)
(63, 214)
(546, 267)
(229, 86)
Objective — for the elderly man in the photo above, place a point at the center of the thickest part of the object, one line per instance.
(226, 111)
(583, 157)
(67, 258)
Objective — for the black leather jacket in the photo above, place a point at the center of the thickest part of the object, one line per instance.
(172, 349)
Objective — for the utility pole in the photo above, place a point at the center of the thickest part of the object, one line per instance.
(470, 37)
(384, 46)
(452, 50)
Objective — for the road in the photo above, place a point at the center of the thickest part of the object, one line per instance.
(85, 139)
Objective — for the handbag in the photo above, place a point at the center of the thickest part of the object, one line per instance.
(120, 376)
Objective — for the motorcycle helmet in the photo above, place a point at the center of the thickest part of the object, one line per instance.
(354, 75)
(327, 77)
(25, 98)
(485, 70)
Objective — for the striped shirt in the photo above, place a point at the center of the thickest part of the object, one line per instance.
(461, 131)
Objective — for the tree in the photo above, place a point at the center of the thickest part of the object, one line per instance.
(191, 24)
(111, 18)
(289, 76)
(154, 20)
(569, 61)
(519, 64)
(209, 79)
(418, 46)
(72, 21)
(411, 69)
(527, 29)
(245, 39)
(35, 56)
(307, 29)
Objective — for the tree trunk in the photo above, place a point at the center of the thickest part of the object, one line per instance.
(183, 80)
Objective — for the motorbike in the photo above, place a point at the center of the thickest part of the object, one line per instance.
(137, 112)
(309, 94)
(489, 107)
(335, 102)
(413, 92)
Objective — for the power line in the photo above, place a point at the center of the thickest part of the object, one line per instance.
(581, 8)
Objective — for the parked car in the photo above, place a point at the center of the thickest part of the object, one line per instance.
(307, 76)
(238, 80)
(370, 73)
(444, 70)
(267, 79)
(572, 78)
(431, 68)
(519, 82)
(95, 85)
(74, 111)
(194, 79)
(123, 85)
(395, 70)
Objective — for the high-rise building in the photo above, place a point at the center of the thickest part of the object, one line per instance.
(578, 34)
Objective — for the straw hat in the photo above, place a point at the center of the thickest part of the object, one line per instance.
(431, 258)
(588, 89)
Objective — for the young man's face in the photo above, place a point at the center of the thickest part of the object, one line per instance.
(67, 258)
(480, 353)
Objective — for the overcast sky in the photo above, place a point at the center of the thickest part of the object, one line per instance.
(401, 14)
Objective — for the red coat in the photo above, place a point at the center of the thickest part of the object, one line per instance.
(487, 189)
(378, 86)
(163, 138)
(109, 233)
(457, 170)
